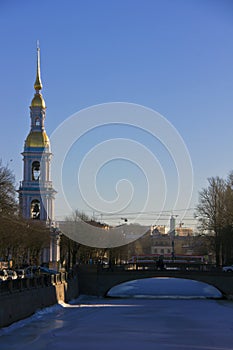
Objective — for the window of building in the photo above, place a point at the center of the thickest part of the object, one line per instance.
(37, 122)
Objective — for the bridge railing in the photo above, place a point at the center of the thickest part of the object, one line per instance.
(168, 266)
(9, 286)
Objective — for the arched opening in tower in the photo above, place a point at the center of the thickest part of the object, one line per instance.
(35, 209)
(35, 171)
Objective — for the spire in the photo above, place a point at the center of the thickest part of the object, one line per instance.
(38, 83)
(38, 100)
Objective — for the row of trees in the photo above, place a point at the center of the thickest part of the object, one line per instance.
(215, 216)
(73, 252)
(21, 241)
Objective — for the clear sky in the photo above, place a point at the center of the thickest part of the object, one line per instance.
(172, 56)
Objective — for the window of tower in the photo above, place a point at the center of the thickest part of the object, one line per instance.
(35, 171)
(35, 209)
(37, 122)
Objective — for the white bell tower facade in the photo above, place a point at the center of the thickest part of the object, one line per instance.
(36, 193)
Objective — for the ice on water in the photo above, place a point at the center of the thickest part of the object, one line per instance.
(164, 288)
(131, 323)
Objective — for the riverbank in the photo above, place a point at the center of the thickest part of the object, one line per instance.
(22, 298)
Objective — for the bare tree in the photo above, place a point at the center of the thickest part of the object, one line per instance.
(77, 215)
(72, 252)
(7, 190)
(211, 212)
(70, 248)
(227, 232)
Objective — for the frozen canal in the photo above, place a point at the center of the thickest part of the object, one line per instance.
(158, 318)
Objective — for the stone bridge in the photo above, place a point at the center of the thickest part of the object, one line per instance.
(93, 280)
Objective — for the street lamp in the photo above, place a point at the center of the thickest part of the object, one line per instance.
(173, 250)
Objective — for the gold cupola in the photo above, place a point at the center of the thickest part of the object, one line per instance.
(38, 100)
(37, 139)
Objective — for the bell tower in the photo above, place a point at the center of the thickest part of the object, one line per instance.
(36, 193)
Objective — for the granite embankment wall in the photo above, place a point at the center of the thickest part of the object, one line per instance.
(22, 298)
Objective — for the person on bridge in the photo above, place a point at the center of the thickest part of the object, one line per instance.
(160, 263)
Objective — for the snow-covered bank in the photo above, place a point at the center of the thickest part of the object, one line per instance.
(24, 302)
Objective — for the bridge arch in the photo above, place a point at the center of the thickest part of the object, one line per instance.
(160, 287)
(93, 280)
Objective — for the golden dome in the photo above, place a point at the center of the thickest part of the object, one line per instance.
(37, 139)
(38, 101)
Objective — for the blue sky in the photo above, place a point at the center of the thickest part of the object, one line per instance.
(173, 56)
